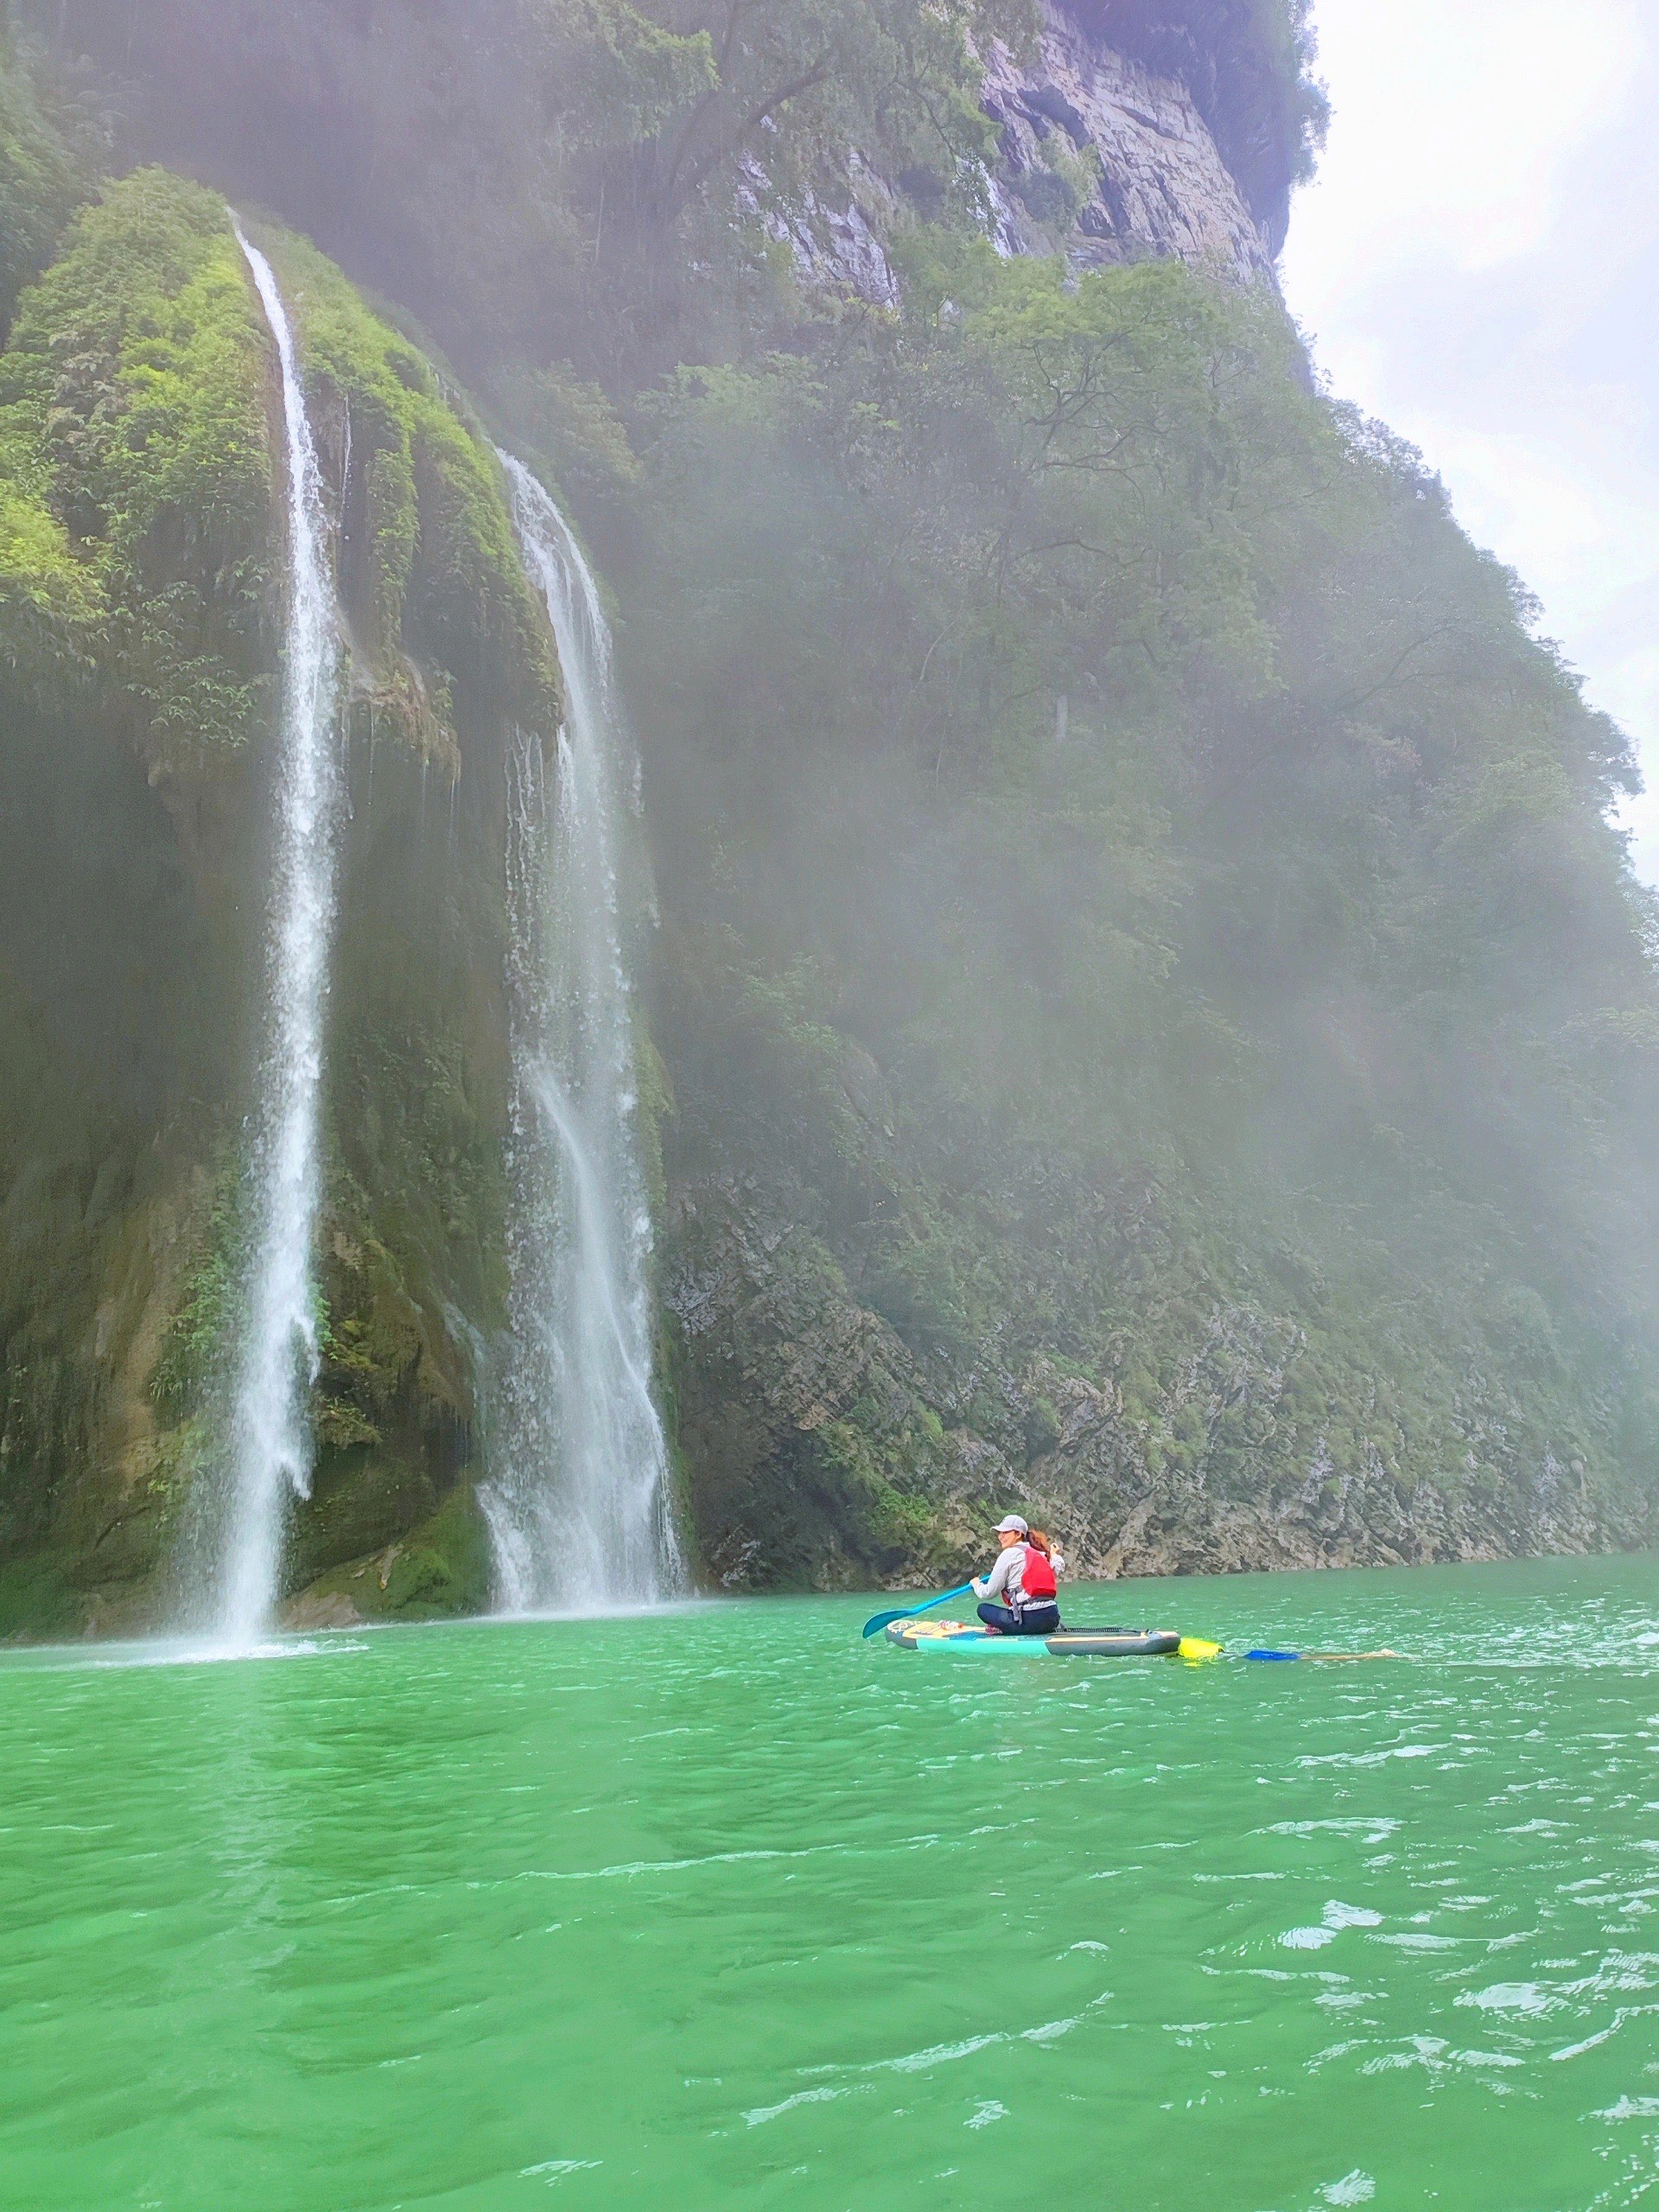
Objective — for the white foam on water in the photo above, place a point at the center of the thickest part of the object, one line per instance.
(1357, 2187)
(107, 1658)
(1517, 2000)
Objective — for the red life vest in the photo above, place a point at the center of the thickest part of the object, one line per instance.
(1037, 1577)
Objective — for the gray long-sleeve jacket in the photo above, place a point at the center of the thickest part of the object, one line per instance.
(1006, 1580)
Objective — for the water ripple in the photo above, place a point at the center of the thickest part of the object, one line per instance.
(276, 1935)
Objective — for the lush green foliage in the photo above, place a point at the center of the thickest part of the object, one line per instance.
(430, 565)
(784, 87)
(40, 180)
(135, 472)
(1048, 692)
(137, 466)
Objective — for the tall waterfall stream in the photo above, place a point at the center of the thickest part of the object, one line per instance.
(275, 1359)
(578, 1508)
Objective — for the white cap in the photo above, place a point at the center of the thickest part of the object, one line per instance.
(1011, 1523)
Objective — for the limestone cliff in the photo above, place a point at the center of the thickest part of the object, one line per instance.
(1096, 157)
(1139, 172)
(824, 1449)
(139, 578)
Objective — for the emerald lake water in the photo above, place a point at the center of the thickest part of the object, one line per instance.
(725, 1909)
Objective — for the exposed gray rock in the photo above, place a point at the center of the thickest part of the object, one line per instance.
(1099, 159)
(834, 238)
(320, 1609)
(823, 1449)
(1162, 186)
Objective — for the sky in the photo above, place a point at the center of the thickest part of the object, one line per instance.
(1477, 263)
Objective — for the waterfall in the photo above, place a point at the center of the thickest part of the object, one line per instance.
(579, 1508)
(277, 1355)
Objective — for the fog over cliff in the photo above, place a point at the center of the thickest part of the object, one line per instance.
(1475, 264)
(1107, 984)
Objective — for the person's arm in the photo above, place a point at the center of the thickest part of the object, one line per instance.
(993, 1584)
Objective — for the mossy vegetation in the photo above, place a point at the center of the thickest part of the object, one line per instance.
(137, 458)
(137, 468)
(1139, 897)
(1150, 1016)
(439, 1567)
(429, 566)
(140, 579)
(41, 177)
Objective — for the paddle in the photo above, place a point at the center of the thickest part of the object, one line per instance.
(880, 1620)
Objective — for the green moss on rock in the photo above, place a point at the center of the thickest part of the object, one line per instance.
(134, 461)
(37, 1601)
(439, 1569)
(40, 180)
(141, 575)
(430, 565)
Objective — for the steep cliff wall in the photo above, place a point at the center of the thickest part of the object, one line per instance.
(460, 156)
(138, 587)
(1139, 171)
(1152, 1020)
(1096, 157)
(1152, 999)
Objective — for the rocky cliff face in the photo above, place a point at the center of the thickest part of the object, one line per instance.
(1137, 171)
(1042, 736)
(825, 1448)
(1098, 158)
(140, 582)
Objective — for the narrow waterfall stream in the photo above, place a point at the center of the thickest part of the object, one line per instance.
(277, 1351)
(579, 1508)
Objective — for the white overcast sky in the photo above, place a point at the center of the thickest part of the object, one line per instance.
(1478, 263)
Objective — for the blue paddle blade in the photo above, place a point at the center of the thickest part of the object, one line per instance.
(879, 1621)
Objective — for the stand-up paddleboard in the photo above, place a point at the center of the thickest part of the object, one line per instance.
(1081, 1642)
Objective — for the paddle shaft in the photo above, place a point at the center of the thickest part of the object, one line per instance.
(908, 1613)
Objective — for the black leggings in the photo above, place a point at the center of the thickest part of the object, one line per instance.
(1035, 1620)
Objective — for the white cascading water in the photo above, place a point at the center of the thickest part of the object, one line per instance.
(277, 1354)
(579, 1508)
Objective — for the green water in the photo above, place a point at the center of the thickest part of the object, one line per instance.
(727, 1909)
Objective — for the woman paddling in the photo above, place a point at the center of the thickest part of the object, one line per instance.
(1024, 1578)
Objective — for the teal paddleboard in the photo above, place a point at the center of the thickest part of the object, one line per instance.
(962, 1636)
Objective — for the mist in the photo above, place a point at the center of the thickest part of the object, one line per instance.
(1118, 983)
